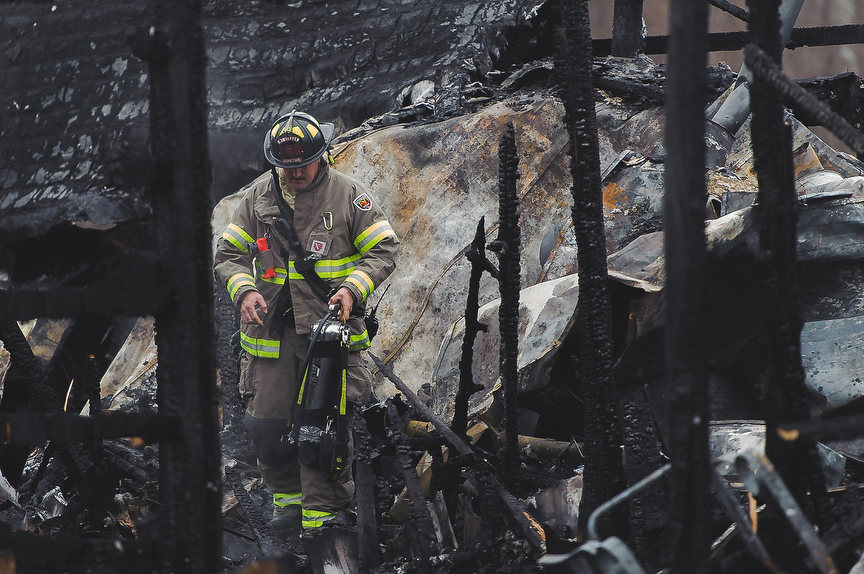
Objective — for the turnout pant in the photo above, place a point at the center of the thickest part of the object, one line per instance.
(268, 386)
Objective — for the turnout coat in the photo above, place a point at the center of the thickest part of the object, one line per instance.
(338, 223)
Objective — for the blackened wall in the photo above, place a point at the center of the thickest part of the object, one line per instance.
(74, 121)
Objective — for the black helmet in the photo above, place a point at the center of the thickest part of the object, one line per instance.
(296, 140)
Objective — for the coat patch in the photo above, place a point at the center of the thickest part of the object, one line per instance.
(363, 202)
(318, 247)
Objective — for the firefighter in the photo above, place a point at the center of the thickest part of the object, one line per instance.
(340, 250)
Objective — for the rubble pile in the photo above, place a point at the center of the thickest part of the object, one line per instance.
(476, 452)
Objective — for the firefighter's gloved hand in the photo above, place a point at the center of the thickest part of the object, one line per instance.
(344, 298)
(250, 304)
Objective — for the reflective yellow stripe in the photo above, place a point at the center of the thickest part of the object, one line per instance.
(359, 342)
(283, 499)
(362, 281)
(267, 348)
(343, 401)
(316, 518)
(372, 236)
(237, 281)
(328, 268)
(237, 237)
(302, 387)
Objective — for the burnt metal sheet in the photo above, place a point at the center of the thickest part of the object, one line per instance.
(641, 264)
(832, 359)
(133, 366)
(546, 315)
(740, 158)
(435, 182)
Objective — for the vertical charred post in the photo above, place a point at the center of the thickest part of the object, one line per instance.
(507, 247)
(23, 388)
(419, 529)
(93, 386)
(364, 481)
(627, 38)
(477, 256)
(189, 477)
(686, 268)
(235, 437)
(24, 385)
(603, 469)
(782, 373)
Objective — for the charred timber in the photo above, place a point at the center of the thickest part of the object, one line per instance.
(801, 100)
(479, 263)
(189, 470)
(627, 38)
(686, 264)
(34, 553)
(254, 518)
(843, 93)
(367, 527)
(782, 373)
(419, 529)
(24, 383)
(132, 288)
(531, 529)
(734, 41)
(24, 428)
(731, 9)
(507, 246)
(603, 467)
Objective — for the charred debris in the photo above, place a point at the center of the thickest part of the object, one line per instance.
(692, 397)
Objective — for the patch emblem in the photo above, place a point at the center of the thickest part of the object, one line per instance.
(363, 202)
(318, 247)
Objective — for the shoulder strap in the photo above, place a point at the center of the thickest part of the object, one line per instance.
(304, 262)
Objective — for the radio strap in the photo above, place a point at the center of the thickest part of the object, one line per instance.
(304, 262)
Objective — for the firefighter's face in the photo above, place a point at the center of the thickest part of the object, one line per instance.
(300, 177)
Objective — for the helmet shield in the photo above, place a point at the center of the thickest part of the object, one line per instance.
(297, 140)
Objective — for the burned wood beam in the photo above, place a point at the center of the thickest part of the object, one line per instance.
(130, 461)
(134, 287)
(35, 553)
(542, 448)
(364, 482)
(419, 529)
(92, 385)
(731, 9)
(604, 475)
(24, 428)
(507, 246)
(689, 537)
(190, 519)
(531, 529)
(452, 438)
(268, 543)
(843, 93)
(734, 41)
(24, 383)
(782, 373)
(627, 28)
(798, 98)
(479, 263)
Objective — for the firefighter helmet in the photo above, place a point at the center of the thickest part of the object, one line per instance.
(296, 140)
